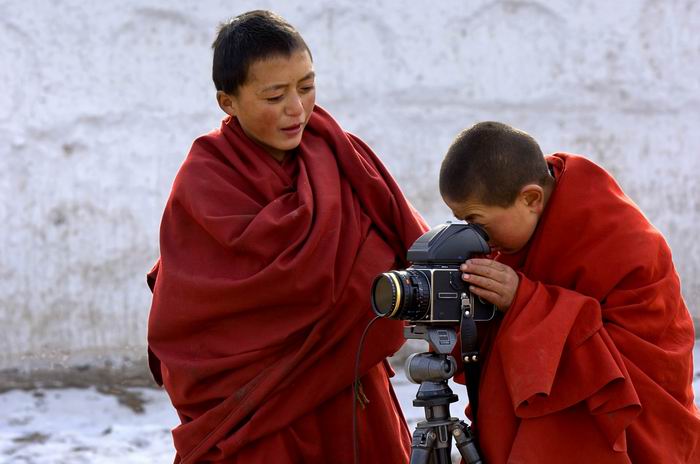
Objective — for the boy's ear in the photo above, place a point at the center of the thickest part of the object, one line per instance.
(533, 197)
(227, 103)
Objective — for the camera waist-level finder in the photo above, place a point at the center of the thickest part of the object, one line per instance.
(432, 289)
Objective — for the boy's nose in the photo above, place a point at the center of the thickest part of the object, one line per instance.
(295, 107)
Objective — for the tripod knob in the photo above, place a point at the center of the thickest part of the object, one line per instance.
(421, 367)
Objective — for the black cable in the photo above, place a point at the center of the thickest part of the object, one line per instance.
(354, 392)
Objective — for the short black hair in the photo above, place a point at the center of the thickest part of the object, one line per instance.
(247, 38)
(489, 163)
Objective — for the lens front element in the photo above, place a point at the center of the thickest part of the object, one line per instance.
(386, 293)
(401, 295)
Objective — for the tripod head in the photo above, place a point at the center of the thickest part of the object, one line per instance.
(432, 370)
(433, 437)
(442, 339)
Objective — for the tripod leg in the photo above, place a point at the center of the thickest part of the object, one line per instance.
(423, 442)
(465, 443)
(427, 447)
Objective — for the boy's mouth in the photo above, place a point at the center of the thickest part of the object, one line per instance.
(293, 129)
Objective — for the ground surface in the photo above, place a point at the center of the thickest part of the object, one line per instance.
(109, 425)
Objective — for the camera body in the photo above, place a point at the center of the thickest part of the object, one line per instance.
(432, 291)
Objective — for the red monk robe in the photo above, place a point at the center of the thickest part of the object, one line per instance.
(261, 295)
(592, 362)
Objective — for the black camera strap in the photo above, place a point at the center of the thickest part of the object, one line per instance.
(470, 353)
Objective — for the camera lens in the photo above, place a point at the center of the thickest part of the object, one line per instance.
(401, 295)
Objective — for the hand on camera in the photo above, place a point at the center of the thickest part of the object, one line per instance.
(493, 281)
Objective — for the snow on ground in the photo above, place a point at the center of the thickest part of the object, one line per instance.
(75, 426)
(124, 425)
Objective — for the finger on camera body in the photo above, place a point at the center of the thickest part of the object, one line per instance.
(482, 282)
(483, 262)
(474, 275)
(488, 295)
(482, 266)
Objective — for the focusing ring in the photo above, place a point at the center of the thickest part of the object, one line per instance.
(420, 291)
(423, 297)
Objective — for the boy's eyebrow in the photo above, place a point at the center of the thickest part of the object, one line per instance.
(470, 217)
(281, 86)
(273, 87)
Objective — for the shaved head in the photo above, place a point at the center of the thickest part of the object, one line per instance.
(491, 162)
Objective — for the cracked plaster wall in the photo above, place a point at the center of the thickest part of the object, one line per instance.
(100, 101)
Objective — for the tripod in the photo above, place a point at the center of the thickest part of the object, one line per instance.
(432, 439)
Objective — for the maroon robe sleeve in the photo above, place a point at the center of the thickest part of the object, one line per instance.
(592, 362)
(556, 353)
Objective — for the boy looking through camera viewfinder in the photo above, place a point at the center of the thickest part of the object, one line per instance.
(591, 360)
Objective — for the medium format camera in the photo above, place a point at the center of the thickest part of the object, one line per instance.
(432, 289)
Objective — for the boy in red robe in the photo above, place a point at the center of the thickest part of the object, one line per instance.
(275, 227)
(591, 360)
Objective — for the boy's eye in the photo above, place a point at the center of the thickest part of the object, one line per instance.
(276, 99)
(307, 88)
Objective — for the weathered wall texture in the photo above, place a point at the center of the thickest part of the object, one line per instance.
(99, 104)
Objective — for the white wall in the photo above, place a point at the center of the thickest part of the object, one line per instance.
(99, 104)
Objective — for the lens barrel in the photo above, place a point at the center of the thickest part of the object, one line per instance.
(401, 295)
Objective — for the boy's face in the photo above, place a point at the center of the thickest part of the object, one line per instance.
(275, 103)
(509, 228)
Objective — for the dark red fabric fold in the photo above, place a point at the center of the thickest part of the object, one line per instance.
(593, 360)
(261, 292)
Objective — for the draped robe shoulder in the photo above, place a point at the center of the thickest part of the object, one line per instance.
(261, 294)
(593, 360)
